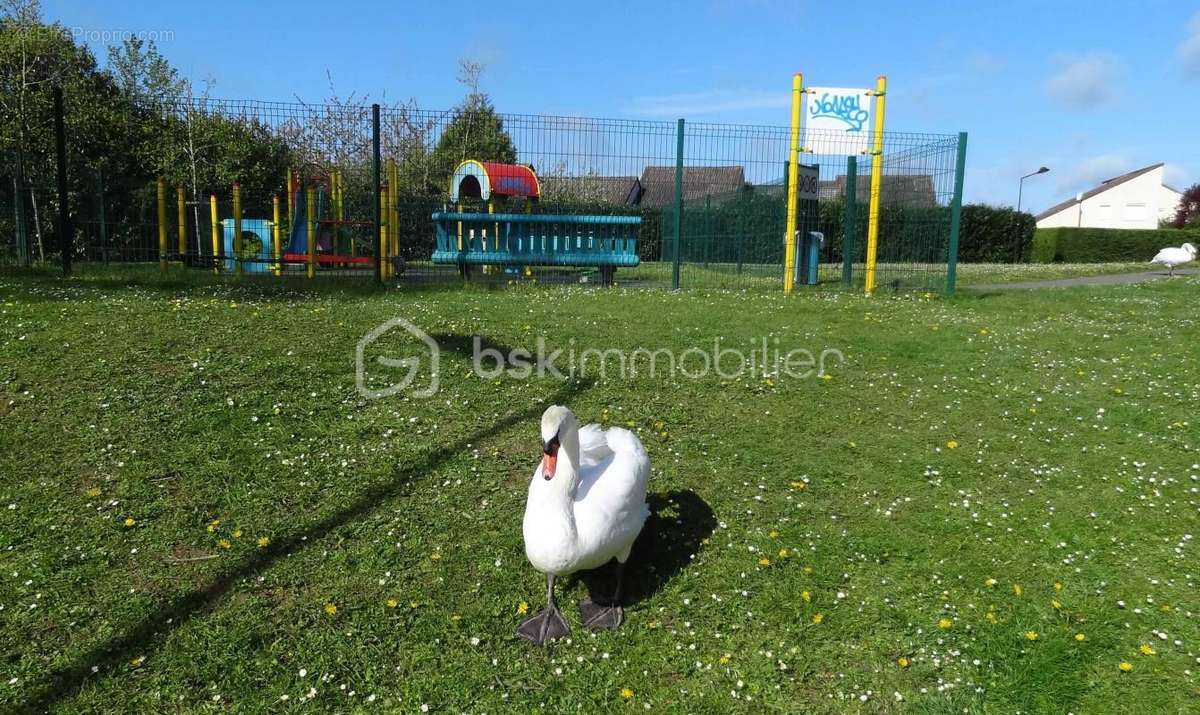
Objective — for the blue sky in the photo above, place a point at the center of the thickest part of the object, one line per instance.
(1089, 89)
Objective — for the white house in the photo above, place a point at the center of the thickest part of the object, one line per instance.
(1138, 199)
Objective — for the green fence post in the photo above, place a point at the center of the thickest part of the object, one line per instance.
(378, 191)
(102, 216)
(66, 233)
(678, 239)
(19, 205)
(375, 161)
(849, 220)
(956, 214)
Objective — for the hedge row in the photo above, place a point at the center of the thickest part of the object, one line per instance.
(1067, 244)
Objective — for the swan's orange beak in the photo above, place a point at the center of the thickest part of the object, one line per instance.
(549, 458)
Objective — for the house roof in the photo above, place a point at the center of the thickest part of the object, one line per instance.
(1104, 186)
(698, 182)
(907, 189)
(619, 190)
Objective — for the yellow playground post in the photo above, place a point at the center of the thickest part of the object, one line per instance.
(876, 183)
(291, 208)
(182, 211)
(216, 231)
(162, 224)
(311, 210)
(793, 178)
(275, 244)
(237, 226)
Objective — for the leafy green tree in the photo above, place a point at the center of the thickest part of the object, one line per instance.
(475, 131)
(35, 57)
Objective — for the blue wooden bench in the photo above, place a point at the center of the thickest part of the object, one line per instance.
(514, 240)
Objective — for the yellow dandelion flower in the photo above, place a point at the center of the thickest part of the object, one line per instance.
(414, 604)
(817, 618)
(773, 535)
(93, 492)
(1145, 649)
(1125, 666)
(224, 543)
(330, 609)
(764, 562)
(945, 623)
(523, 608)
(263, 542)
(991, 582)
(1054, 602)
(1080, 637)
(805, 596)
(1031, 635)
(392, 603)
(130, 521)
(455, 617)
(723, 660)
(902, 662)
(808, 569)
(626, 693)
(991, 617)
(1017, 590)
(137, 662)
(435, 556)
(213, 525)
(783, 553)
(952, 445)
(799, 486)
(1058, 586)
(237, 533)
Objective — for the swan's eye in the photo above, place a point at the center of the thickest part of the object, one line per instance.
(551, 447)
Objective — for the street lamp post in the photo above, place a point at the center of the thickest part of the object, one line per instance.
(1020, 249)
(1021, 186)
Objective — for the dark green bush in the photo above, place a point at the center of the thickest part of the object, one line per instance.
(992, 234)
(1067, 244)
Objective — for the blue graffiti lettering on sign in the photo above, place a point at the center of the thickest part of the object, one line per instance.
(843, 107)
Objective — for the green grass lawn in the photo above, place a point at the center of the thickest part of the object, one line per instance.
(988, 507)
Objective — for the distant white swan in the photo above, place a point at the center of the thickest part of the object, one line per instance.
(587, 504)
(1171, 257)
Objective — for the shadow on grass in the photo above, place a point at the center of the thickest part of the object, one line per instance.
(679, 523)
(149, 634)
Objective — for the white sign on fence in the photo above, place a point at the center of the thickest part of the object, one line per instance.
(837, 120)
(807, 182)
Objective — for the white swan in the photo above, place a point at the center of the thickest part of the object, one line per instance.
(587, 504)
(1171, 257)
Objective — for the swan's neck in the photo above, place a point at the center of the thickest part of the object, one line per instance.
(559, 493)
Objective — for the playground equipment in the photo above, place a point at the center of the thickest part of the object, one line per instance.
(314, 234)
(514, 241)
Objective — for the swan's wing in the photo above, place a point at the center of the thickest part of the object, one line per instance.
(1161, 256)
(621, 474)
(593, 445)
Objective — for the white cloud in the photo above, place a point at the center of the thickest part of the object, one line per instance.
(711, 102)
(1085, 81)
(1090, 172)
(1188, 52)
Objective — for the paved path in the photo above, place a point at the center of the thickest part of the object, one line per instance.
(1106, 280)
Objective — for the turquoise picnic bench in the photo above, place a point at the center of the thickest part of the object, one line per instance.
(514, 240)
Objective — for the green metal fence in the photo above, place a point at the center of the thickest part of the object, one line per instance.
(711, 197)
